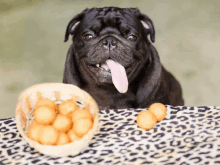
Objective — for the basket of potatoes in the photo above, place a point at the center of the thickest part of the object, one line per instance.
(57, 119)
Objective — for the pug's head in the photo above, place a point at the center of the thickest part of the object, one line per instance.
(111, 44)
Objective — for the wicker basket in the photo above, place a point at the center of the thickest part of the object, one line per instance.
(58, 92)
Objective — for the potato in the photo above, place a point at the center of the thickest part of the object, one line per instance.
(63, 139)
(34, 131)
(48, 135)
(81, 113)
(66, 107)
(146, 120)
(44, 115)
(62, 123)
(47, 102)
(82, 126)
(72, 136)
(159, 110)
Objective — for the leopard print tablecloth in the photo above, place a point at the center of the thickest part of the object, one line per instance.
(188, 135)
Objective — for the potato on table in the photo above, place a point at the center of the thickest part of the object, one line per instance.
(146, 120)
(159, 110)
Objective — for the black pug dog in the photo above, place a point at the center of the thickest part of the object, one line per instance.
(112, 59)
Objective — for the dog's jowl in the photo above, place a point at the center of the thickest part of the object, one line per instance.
(113, 60)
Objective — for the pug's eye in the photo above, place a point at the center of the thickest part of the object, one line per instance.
(132, 38)
(88, 37)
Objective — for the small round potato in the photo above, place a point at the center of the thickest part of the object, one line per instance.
(66, 107)
(146, 120)
(159, 110)
(47, 102)
(48, 135)
(62, 123)
(82, 126)
(72, 136)
(44, 115)
(34, 123)
(63, 139)
(34, 131)
(81, 113)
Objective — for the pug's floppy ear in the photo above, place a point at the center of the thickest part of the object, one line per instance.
(72, 24)
(148, 26)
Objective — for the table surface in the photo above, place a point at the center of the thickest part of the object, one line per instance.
(188, 135)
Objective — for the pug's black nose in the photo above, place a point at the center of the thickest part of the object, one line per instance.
(109, 43)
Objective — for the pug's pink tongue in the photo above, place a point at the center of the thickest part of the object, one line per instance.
(119, 77)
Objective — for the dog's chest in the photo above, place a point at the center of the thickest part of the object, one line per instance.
(109, 100)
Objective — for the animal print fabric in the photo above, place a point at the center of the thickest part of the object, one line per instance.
(187, 136)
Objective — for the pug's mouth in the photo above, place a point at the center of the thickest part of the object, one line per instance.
(111, 71)
(95, 68)
(103, 67)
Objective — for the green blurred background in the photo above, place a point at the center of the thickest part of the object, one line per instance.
(32, 50)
